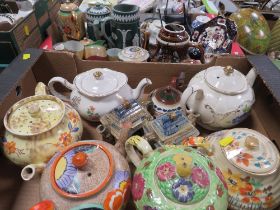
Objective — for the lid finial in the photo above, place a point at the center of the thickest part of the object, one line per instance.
(34, 110)
(228, 70)
(80, 159)
(251, 143)
(97, 75)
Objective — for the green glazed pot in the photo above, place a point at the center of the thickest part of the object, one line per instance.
(175, 177)
(253, 31)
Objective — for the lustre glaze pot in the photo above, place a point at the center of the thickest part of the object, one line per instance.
(221, 97)
(37, 127)
(71, 21)
(87, 175)
(250, 165)
(98, 91)
(175, 177)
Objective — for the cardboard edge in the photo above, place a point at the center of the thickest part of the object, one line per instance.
(16, 71)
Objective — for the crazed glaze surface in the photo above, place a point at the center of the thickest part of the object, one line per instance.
(246, 190)
(111, 196)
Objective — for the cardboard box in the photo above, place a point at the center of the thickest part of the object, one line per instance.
(20, 78)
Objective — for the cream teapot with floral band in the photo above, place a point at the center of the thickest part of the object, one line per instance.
(98, 91)
(175, 177)
(221, 97)
(249, 162)
(37, 127)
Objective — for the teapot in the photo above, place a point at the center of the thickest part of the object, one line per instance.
(87, 175)
(98, 91)
(71, 21)
(37, 127)
(221, 97)
(249, 162)
(175, 177)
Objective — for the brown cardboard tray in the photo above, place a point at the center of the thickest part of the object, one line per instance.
(20, 78)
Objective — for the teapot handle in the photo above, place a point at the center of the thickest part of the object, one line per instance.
(141, 144)
(65, 83)
(104, 33)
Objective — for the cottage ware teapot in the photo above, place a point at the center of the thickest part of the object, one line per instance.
(87, 175)
(175, 177)
(250, 165)
(222, 96)
(71, 21)
(37, 127)
(98, 91)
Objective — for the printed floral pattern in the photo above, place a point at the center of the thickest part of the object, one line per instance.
(182, 158)
(183, 190)
(220, 191)
(165, 171)
(10, 147)
(91, 113)
(138, 185)
(249, 194)
(244, 158)
(113, 200)
(74, 118)
(200, 177)
(65, 138)
(221, 177)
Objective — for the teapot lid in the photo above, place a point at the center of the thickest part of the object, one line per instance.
(98, 9)
(225, 80)
(133, 53)
(168, 95)
(183, 175)
(68, 6)
(100, 82)
(251, 152)
(34, 115)
(79, 160)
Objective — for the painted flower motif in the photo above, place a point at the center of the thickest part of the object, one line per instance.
(65, 138)
(149, 208)
(10, 147)
(210, 165)
(221, 177)
(91, 113)
(67, 30)
(73, 117)
(165, 171)
(250, 194)
(244, 158)
(138, 186)
(219, 190)
(113, 200)
(233, 181)
(125, 187)
(269, 201)
(183, 190)
(200, 177)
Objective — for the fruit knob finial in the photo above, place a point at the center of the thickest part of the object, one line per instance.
(80, 159)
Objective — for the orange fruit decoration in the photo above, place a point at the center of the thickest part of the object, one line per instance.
(43, 205)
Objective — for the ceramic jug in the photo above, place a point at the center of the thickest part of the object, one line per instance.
(249, 162)
(175, 177)
(95, 15)
(87, 175)
(221, 97)
(125, 22)
(71, 21)
(37, 127)
(98, 91)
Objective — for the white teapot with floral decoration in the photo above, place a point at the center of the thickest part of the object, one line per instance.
(221, 96)
(37, 127)
(250, 164)
(98, 91)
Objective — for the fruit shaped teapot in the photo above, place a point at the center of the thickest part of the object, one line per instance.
(221, 96)
(37, 127)
(249, 162)
(98, 91)
(175, 177)
(86, 175)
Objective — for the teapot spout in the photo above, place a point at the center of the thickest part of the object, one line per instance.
(251, 77)
(138, 91)
(29, 171)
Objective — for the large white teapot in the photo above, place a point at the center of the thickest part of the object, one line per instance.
(221, 97)
(98, 91)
